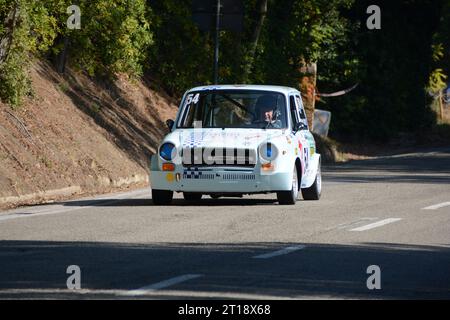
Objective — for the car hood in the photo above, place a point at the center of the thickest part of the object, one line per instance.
(225, 138)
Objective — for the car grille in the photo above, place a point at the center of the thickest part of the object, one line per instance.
(199, 175)
(238, 176)
(217, 157)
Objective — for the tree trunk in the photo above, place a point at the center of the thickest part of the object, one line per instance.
(62, 57)
(314, 75)
(308, 85)
(10, 26)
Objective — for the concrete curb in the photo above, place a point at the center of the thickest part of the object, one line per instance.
(41, 195)
(49, 195)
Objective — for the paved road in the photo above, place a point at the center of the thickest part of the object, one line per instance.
(372, 213)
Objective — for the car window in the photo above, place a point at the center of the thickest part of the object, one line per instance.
(300, 107)
(234, 109)
(294, 114)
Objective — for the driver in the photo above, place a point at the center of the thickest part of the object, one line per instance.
(267, 112)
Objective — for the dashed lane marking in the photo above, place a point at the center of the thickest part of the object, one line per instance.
(163, 284)
(376, 224)
(437, 206)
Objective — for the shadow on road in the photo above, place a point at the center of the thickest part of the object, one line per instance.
(34, 269)
(205, 202)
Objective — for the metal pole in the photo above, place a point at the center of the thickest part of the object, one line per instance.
(216, 50)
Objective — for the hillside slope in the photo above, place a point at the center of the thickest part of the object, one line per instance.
(79, 136)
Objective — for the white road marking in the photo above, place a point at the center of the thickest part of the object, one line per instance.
(437, 206)
(163, 284)
(69, 206)
(350, 224)
(279, 252)
(376, 224)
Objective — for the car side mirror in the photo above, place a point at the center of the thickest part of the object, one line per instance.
(170, 124)
(300, 126)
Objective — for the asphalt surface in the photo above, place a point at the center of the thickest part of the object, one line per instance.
(372, 213)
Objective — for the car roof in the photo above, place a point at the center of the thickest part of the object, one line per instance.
(281, 89)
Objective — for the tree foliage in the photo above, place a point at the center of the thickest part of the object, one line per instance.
(114, 37)
(393, 69)
(181, 54)
(27, 29)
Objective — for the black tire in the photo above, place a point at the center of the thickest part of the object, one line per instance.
(162, 197)
(289, 197)
(192, 196)
(315, 191)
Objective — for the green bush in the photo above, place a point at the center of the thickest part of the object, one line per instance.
(114, 38)
(33, 32)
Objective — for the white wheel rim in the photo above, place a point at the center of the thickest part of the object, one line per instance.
(295, 183)
(319, 180)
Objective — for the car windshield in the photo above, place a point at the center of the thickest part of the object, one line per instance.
(234, 109)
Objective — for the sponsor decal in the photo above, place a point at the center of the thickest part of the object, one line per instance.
(197, 174)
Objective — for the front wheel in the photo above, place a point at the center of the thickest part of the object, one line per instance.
(162, 197)
(315, 191)
(289, 197)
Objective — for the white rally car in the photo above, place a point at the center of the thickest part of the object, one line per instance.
(232, 140)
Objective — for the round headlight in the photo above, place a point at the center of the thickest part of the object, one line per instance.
(167, 151)
(268, 151)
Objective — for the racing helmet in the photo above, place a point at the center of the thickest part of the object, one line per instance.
(267, 102)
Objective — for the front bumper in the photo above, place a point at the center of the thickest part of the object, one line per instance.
(221, 180)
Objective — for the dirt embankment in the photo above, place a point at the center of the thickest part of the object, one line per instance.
(79, 136)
